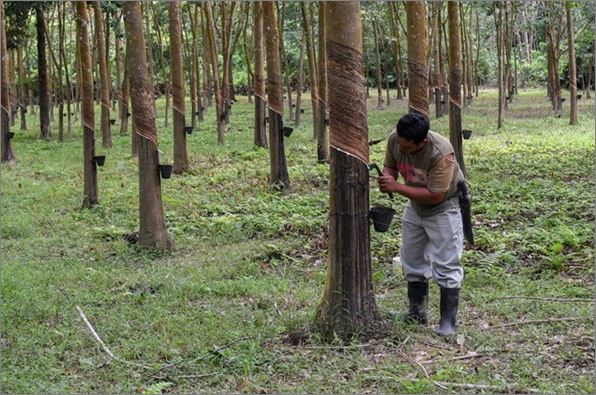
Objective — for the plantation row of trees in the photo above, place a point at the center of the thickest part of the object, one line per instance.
(123, 55)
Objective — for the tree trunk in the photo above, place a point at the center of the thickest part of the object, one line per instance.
(279, 170)
(162, 65)
(180, 154)
(220, 115)
(124, 110)
(455, 80)
(197, 70)
(398, 63)
(299, 85)
(6, 146)
(22, 102)
(438, 77)
(312, 66)
(348, 306)
(69, 85)
(260, 139)
(249, 74)
(572, 72)
(42, 69)
(104, 78)
(417, 53)
(90, 196)
(284, 59)
(149, 51)
(322, 136)
(152, 229)
(498, 15)
(462, 53)
(378, 63)
(207, 87)
(118, 56)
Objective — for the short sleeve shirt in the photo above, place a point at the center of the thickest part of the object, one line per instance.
(434, 168)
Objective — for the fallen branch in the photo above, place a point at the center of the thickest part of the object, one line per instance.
(94, 333)
(536, 322)
(461, 357)
(445, 384)
(564, 300)
(414, 362)
(102, 344)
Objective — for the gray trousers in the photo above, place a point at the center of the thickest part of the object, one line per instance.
(432, 247)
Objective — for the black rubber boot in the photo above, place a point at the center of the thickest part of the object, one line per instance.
(449, 304)
(418, 298)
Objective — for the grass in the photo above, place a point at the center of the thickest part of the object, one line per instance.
(229, 308)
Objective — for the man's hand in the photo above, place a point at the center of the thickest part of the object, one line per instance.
(388, 184)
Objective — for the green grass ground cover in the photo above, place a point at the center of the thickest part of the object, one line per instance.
(228, 309)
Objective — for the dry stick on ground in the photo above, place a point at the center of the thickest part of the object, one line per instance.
(473, 354)
(535, 322)
(102, 344)
(564, 300)
(414, 362)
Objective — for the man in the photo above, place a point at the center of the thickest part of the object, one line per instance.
(432, 236)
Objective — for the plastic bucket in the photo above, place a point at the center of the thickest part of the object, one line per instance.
(165, 170)
(381, 217)
(100, 160)
(466, 133)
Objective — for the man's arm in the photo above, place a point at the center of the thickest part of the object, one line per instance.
(387, 183)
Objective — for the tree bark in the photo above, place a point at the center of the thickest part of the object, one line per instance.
(104, 78)
(6, 146)
(220, 116)
(180, 154)
(417, 57)
(162, 65)
(260, 136)
(299, 85)
(378, 64)
(398, 62)
(498, 16)
(152, 229)
(90, 196)
(455, 80)
(279, 170)
(42, 70)
(322, 136)
(348, 306)
(438, 77)
(22, 102)
(572, 72)
(149, 51)
(312, 66)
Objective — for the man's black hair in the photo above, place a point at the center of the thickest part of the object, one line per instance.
(413, 126)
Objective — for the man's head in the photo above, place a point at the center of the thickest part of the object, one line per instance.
(412, 130)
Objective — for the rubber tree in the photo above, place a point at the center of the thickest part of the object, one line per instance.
(348, 305)
(572, 71)
(152, 229)
(42, 70)
(6, 154)
(180, 154)
(104, 79)
(322, 134)
(417, 23)
(498, 13)
(260, 135)
(438, 77)
(277, 155)
(312, 65)
(393, 11)
(455, 81)
(211, 38)
(90, 194)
